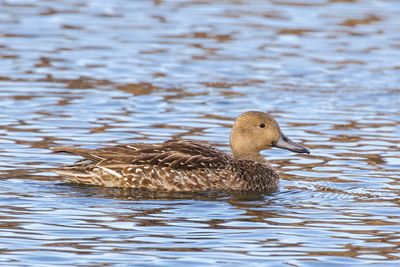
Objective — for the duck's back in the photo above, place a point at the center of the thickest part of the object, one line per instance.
(176, 165)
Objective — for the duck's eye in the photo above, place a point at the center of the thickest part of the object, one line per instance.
(261, 125)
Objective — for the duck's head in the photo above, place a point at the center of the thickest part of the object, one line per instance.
(254, 131)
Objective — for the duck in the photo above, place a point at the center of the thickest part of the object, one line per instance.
(184, 165)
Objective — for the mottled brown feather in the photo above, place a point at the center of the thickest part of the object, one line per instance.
(175, 165)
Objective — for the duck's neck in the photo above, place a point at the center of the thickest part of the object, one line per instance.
(254, 156)
(242, 147)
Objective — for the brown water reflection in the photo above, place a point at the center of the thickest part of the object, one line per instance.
(97, 73)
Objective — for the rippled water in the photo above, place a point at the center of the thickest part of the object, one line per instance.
(96, 73)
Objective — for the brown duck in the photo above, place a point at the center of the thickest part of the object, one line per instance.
(183, 165)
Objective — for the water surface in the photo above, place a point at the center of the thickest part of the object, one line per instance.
(96, 73)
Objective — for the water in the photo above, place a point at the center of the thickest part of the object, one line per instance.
(96, 73)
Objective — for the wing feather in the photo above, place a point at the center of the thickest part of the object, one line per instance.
(175, 154)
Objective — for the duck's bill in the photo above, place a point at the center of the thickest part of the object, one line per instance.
(285, 143)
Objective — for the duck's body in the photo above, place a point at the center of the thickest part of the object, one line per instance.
(176, 165)
(183, 165)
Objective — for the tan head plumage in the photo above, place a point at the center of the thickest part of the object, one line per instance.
(254, 131)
